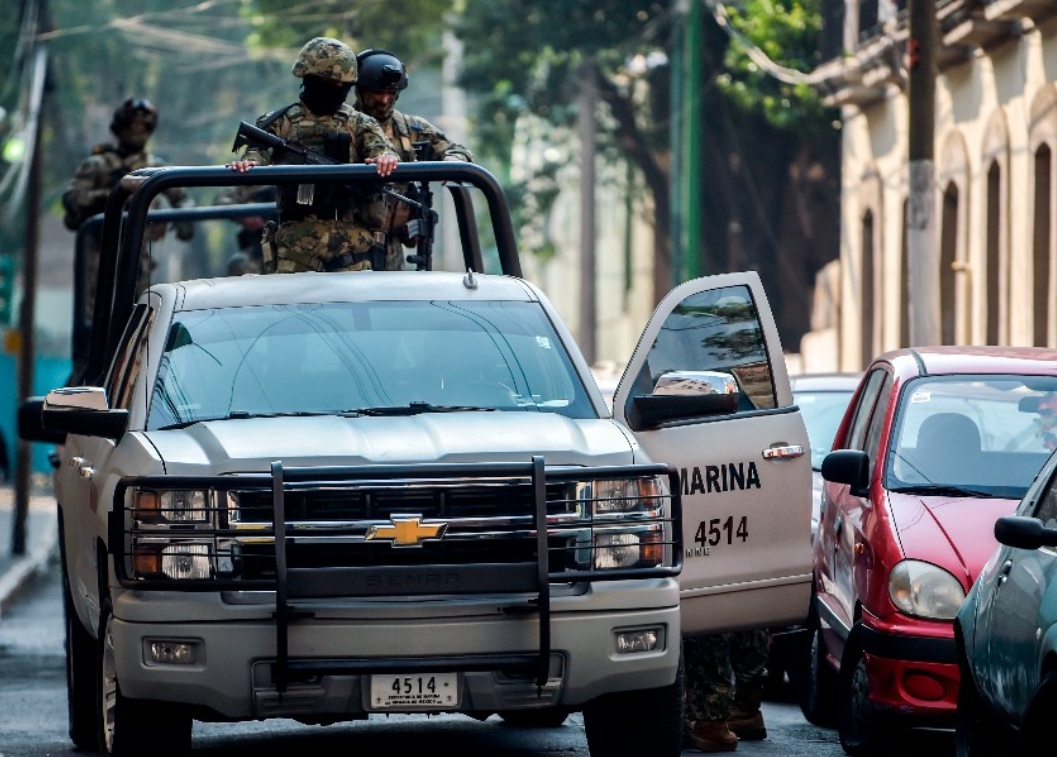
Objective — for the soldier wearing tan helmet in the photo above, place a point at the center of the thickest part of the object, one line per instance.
(382, 77)
(132, 124)
(324, 229)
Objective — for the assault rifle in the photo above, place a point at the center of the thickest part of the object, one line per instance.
(423, 226)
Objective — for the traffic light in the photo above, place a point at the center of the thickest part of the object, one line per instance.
(913, 53)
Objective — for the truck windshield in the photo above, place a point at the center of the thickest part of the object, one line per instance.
(352, 357)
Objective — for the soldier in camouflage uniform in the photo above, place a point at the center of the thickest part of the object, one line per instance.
(381, 79)
(725, 678)
(323, 227)
(133, 123)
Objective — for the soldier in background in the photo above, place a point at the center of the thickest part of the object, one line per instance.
(725, 678)
(133, 124)
(323, 227)
(382, 77)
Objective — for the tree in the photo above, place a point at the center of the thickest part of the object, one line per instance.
(523, 57)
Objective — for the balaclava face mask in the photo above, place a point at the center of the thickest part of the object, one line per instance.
(323, 97)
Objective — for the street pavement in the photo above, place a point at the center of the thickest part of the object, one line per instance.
(41, 541)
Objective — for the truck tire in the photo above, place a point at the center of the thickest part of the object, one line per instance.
(133, 727)
(80, 666)
(634, 723)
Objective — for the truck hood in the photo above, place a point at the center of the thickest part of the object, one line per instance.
(252, 444)
(956, 533)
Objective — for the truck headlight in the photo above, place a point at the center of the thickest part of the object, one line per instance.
(171, 506)
(924, 590)
(621, 495)
(639, 549)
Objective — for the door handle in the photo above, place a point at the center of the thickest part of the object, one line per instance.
(783, 452)
(1003, 572)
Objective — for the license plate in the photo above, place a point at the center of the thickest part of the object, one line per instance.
(418, 691)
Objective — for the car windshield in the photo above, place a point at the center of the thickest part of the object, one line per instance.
(989, 435)
(822, 411)
(364, 358)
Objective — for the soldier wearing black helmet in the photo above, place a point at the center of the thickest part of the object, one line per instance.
(382, 77)
(132, 124)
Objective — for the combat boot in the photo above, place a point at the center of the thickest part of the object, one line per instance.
(712, 736)
(747, 723)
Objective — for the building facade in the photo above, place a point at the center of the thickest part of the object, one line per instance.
(995, 164)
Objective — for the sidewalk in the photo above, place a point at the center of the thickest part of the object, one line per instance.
(41, 541)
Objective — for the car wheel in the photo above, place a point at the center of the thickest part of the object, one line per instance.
(634, 723)
(1037, 733)
(858, 722)
(976, 730)
(815, 680)
(551, 717)
(80, 666)
(133, 727)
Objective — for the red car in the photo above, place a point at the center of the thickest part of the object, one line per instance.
(935, 446)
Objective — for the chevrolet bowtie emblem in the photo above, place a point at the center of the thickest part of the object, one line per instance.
(407, 532)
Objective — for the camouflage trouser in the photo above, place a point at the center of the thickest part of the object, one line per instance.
(316, 244)
(723, 671)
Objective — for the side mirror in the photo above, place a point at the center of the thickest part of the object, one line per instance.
(848, 466)
(82, 410)
(30, 426)
(681, 395)
(1024, 533)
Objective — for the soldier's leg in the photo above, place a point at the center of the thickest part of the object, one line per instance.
(709, 693)
(749, 662)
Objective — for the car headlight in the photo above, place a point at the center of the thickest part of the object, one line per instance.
(615, 497)
(924, 590)
(171, 506)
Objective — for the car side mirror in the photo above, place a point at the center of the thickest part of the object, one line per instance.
(682, 395)
(30, 426)
(848, 466)
(1023, 532)
(82, 410)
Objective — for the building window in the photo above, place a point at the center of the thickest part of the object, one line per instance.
(866, 293)
(948, 255)
(1041, 253)
(993, 253)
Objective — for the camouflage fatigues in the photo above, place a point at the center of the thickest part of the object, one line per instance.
(724, 671)
(332, 232)
(86, 195)
(403, 131)
(249, 236)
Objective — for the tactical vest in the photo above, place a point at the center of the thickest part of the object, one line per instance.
(329, 135)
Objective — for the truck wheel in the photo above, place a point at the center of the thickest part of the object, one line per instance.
(80, 667)
(551, 717)
(133, 727)
(634, 723)
(815, 681)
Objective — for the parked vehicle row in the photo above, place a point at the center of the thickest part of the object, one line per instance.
(935, 447)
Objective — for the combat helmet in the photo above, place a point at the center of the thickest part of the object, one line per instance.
(327, 58)
(381, 71)
(131, 109)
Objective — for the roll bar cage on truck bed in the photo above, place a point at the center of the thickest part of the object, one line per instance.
(118, 265)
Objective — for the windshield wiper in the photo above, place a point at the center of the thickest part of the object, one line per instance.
(941, 490)
(415, 408)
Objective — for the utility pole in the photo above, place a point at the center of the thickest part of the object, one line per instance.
(922, 257)
(27, 351)
(587, 129)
